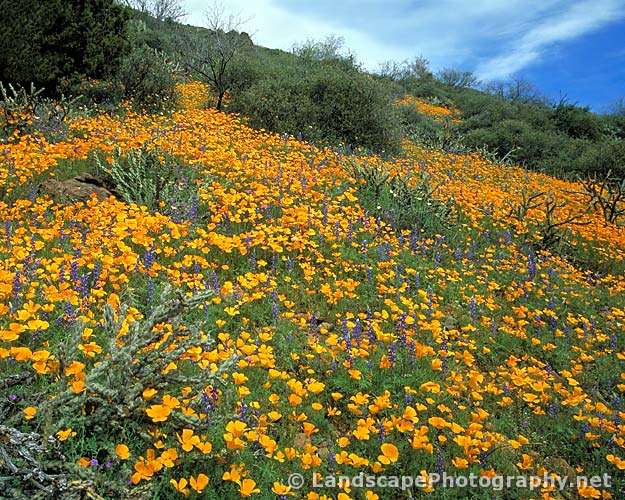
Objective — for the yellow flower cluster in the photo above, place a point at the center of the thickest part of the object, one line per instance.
(360, 347)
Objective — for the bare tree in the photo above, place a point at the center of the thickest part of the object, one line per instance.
(516, 89)
(417, 67)
(213, 55)
(160, 9)
(457, 78)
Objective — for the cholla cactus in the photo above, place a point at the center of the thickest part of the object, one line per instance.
(36, 468)
(138, 356)
(25, 111)
(151, 178)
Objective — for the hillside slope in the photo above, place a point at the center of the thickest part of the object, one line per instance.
(309, 335)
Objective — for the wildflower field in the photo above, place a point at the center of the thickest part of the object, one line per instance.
(284, 315)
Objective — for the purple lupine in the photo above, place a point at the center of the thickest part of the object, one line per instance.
(392, 352)
(194, 208)
(243, 412)
(531, 266)
(8, 229)
(507, 237)
(216, 287)
(346, 335)
(73, 271)
(314, 323)
(357, 331)
(440, 461)
(275, 309)
(83, 284)
(413, 238)
(150, 290)
(381, 432)
(437, 258)
(15, 291)
(324, 212)
(552, 409)
(369, 272)
(473, 308)
(363, 247)
(148, 258)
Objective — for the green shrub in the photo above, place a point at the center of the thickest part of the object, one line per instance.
(576, 122)
(103, 94)
(353, 108)
(279, 105)
(602, 157)
(324, 103)
(148, 78)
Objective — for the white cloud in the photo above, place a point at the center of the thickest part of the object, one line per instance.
(493, 37)
(275, 26)
(578, 20)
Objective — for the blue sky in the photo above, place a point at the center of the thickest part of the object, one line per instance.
(567, 48)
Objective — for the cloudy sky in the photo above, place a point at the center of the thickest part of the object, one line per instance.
(572, 48)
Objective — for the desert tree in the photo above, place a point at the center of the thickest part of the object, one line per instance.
(418, 67)
(457, 78)
(159, 9)
(331, 48)
(516, 89)
(213, 54)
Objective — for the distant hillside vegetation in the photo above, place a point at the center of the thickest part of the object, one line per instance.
(317, 92)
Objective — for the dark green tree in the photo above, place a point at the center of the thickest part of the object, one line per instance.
(47, 42)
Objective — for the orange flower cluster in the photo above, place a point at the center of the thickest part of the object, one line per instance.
(437, 112)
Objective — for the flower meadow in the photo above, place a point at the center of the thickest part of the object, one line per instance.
(274, 322)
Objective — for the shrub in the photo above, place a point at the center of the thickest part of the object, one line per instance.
(353, 108)
(103, 94)
(601, 157)
(279, 105)
(576, 122)
(148, 78)
(321, 104)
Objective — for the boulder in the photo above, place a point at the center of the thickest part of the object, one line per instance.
(78, 188)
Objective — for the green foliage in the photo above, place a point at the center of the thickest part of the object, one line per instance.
(148, 78)
(327, 101)
(403, 202)
(428, 132)
(45, 41)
